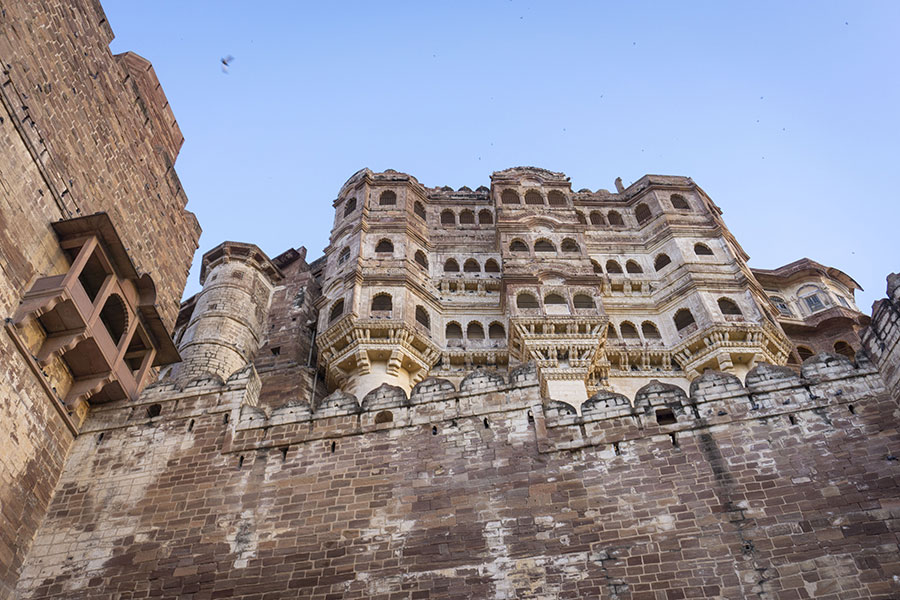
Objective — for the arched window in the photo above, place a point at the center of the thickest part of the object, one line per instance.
(466, 217)
(475, 331)
(543, 245)
(728, 307)
(679, 203)
(597, 218)
(485, 217)
(448, 218)
(556, 198)
(421, 259)
(382, 303)
(782, 306)
(582, 301)
(510, 197)
(553, 298)
(451, 266)
(629, 331)
(632, 267)
(384, 246)
(496, 331)
(570, 245)
(580, 216)
(611, 332)
(613, 267)
(419, 210)
(114, 317)
(336, 311)
(453, 331)
(422, 317)
(702, 250)
(804, 353)
(344, 256)
(526, 300)
(842, 347)
(614, 219)
(350, 206)
(642, 213)
(518, 246)
(661, 261)
(650, 331)
(388, 198)
(597, 268)
(491, 266)
(533, 197)
(683, 319)
(471, 266)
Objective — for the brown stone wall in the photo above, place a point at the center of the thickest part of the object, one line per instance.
(34, 441)
(78, 114)
(784, 489)
(79, 133)
(284, 361)
(881, 339)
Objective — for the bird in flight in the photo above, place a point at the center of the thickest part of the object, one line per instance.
(226, 62)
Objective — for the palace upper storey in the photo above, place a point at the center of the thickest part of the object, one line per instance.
(601, 290)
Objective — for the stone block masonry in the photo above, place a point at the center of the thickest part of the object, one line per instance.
(785, 488)
(81, 132)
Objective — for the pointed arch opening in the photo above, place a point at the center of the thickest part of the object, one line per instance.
(534, 197)
(628, 330)
(683, 319)
(729, 307)
(642, 213)
(570, 245)
(556, 198)
(544, 245)
(422, 317)
(526, 300)
(582, 301)
(702, 250)
(382, 303)
(518, 246)
(661, 261)
(650, 331)
(510, 197)
(336, 311)
(388, 198)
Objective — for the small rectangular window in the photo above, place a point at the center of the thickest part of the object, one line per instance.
(843, 302)
(814, 302)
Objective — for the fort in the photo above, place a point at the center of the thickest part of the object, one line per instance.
(521, 390)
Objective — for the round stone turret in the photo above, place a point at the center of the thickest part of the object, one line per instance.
(225, 328)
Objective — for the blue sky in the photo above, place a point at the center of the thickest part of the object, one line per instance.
(786, 113)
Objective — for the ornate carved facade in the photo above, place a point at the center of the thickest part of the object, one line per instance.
(602, 290)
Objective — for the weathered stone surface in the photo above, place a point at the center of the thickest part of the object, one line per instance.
(471, 324)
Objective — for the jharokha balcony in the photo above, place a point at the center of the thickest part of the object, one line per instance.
(98, 318)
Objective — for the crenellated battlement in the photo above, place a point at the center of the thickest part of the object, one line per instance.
(827, 383)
